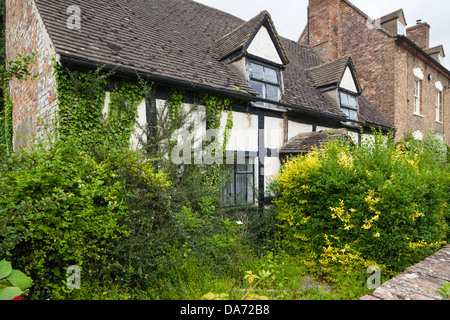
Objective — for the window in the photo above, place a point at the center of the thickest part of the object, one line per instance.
(240, 184)
(266, 81)
(438, 106)
(441, 60)
(349, 105)
(417, 96)
(401, 29)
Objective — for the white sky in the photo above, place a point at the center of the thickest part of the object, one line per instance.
(289, 16)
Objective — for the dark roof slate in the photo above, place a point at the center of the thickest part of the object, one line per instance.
(240, 38)
(434, 50)
(393, 15)
(329, 73)
(304, 142)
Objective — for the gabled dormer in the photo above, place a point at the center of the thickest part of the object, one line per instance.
(337, 81)
(437, 53)
(394, 22)
(254, 51)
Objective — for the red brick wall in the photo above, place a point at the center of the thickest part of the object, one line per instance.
(324, 27)
(384, 69)
(406, 120)
(420, 35)
(34, 99)
(372, 52)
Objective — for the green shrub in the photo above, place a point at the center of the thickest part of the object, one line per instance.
(374, 204)
(60, 208)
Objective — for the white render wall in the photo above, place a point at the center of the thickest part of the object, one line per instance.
(262, 46)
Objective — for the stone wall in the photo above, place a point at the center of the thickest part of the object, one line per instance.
(35, 99)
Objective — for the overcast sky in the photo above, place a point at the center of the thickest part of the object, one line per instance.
(289, 16)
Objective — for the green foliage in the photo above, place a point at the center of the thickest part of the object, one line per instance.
(81, 99)
(17, 69)
(444, 291)
(59, 208)
(122, 114)
(6, 130)
(13, 283)
(352, 207)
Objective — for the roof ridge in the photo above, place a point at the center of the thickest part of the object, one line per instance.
(329, 63)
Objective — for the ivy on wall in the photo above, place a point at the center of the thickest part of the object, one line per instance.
(81, 100)
(6, 130)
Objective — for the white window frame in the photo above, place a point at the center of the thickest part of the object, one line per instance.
(346, 108)
(401, 29)
(264, 82)
(439, 106)
(417, 96)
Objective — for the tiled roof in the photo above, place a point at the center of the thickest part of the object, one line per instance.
(434, 50)
(393, 15)
(329, 73)
(304, 142)
(370, 114)
(179, 40)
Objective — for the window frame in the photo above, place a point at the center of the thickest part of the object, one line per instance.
(347, 107)
(232, 199)
(439, 110)
(418, 96)
(401, 29)
(265, 82)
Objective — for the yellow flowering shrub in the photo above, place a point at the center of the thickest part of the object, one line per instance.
(369, 204)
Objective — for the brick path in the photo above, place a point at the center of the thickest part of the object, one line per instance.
(418, 282)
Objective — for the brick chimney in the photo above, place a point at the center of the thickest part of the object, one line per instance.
(420, 34)
(323, 27)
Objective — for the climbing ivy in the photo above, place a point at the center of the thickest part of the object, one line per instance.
(6, 130)
(123, 110)
(81, 98)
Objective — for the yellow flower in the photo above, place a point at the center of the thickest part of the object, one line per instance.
(345, 160)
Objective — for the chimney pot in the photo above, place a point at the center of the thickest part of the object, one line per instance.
(419, 21)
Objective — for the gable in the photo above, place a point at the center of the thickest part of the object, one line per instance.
(348, 82)
(262, 46)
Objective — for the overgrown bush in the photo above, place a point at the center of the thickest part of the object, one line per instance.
(374, 204)
(59, 208)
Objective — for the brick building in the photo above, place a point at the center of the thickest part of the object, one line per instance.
(399, 73)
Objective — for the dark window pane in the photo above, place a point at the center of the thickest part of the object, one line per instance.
(344, 99)
(259, 87)
(257, 71)
(271, 75)
(273, 92)
(345, 111)
(352, 101)
(353, 115)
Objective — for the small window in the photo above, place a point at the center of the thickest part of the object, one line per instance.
(266, 81)
(441, 60)
(417, 96)
(349, 105)
(439, 106)
(401, 29)
(239, 187)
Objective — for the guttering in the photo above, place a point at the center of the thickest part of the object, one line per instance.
(428, 59)
(64, 59)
